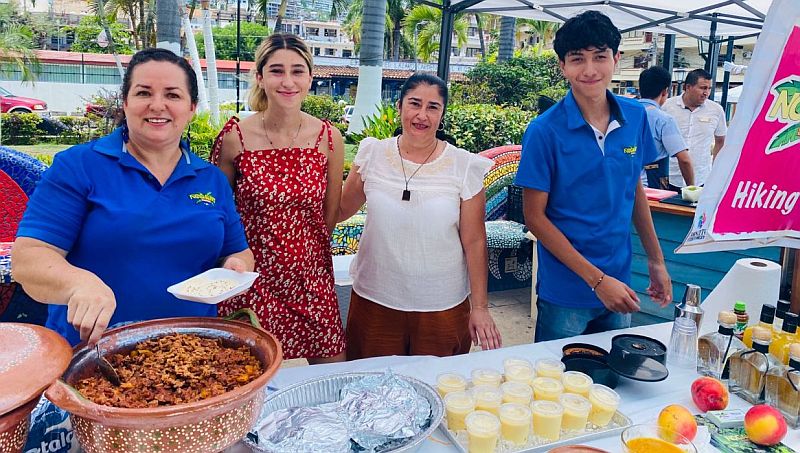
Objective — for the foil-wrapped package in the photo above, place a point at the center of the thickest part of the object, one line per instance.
(305, 430)
(383, 408)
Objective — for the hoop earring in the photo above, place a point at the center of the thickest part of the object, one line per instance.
(441, 127)
(125, 132)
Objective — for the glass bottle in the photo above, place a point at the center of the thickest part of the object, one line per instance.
(714, 349)
(742, 318)
(780, 312)
(783, 388)
(765, 320)
(779, 347)
(749, 368)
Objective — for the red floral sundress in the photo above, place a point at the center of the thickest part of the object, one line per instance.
(279, 195)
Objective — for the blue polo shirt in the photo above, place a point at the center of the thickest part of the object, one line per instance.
(116, 220)
(590, 191)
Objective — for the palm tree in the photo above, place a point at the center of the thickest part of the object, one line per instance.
(279, 17)
(16, 51)
(168, 26)
(195, 58)
(98, 7)
(545, 30)
(506, 41)
(479, 23)
(211, 63)
(370, 73)
(141, 13)
(429, 22)
(353, 20)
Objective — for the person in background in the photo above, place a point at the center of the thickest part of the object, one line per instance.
(654, 85)
(702, 123)
(580, 170)
(286, 170)
(116, 221)
(420, 275)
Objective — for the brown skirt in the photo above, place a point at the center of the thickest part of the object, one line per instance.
(374, 330)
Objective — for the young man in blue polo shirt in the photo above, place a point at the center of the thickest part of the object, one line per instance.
(654, 84)
(581, 165)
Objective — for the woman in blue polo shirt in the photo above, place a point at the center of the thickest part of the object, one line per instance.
(116, 221)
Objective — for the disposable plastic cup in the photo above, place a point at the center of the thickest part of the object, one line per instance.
(549, 368)
(516, 392)
(483, 430)
(486, 376)
(487, 398)
(545, 388)
(457, 406)
(515, 361)
(576, 382)
(519, 373)
(546, 416)
(604, 404)
(515, 422)
(576, 412)
(450, 382)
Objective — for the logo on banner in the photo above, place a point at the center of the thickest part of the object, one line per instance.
(785, 109)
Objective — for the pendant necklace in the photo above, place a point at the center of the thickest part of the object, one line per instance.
(264, 126)
(406, 192)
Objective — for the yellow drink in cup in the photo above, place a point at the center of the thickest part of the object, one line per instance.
(551, 368)
(604, 404)
(450, 382)
(457, 406)
(519, 373)
(547, 419)
(486, 376)
(515, 361)
(515, 422)
(576, 382)
(483, 430)
(576, 412)
(545, 388)
(487, 398)
(516, 392)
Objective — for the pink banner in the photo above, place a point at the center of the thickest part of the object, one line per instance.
(764, 190)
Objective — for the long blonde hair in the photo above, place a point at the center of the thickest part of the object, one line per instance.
(271, 44)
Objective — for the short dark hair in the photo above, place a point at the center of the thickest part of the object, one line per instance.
(653, 80)
(587, 29)
(694, 76)
(154, 54)
(424, 78)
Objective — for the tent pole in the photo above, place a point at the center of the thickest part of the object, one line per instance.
(711, 61)
(669, 53)
(443, 69)
(727, 77)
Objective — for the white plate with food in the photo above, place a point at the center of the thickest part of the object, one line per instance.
(213, 286)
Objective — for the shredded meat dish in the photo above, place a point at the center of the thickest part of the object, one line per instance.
(173, 369)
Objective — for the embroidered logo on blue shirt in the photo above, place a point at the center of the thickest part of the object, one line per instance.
(203, 198)
(629, 150)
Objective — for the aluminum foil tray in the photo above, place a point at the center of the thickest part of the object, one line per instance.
(618, 423)
(326, 390)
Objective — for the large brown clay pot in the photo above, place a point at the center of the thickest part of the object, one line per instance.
(210, 425)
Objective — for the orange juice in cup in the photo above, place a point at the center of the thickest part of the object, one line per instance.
(547, 419)
(576, 412)
(654, 439)
(545, 388)
(486, 376)
(515, 422)
(450, 382)
(487, 398)
(551, 368)
(604, 404)
(483, 430)
(457, 406)
(576, 382)
(516, 392)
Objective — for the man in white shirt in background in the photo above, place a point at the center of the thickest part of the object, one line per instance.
(702, 123)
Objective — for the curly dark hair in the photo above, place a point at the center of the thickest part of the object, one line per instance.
(587, 29)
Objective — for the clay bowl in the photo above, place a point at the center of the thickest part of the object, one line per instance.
(210, 425)
(14, 427)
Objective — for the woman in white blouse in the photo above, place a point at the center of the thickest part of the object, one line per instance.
(419, 279)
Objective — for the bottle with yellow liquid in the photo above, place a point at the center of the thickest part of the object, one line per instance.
(779, 347)
(766, 320)
(748, 368)
(783, 388)
(780, 312)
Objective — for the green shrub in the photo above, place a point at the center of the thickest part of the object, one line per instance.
(322, 107)
(46, 159)
(203, 132)
(79, 129)
(381, 125)
(20, 128)
(478, 127)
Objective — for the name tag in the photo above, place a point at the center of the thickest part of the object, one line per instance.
(704, 119)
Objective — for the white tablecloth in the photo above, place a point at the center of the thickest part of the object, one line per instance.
(640, 401)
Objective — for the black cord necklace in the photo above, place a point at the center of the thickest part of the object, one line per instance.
(406, 192)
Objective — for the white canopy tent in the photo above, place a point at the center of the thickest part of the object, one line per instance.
(703, 19)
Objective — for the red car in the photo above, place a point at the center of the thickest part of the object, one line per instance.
(10, 103)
